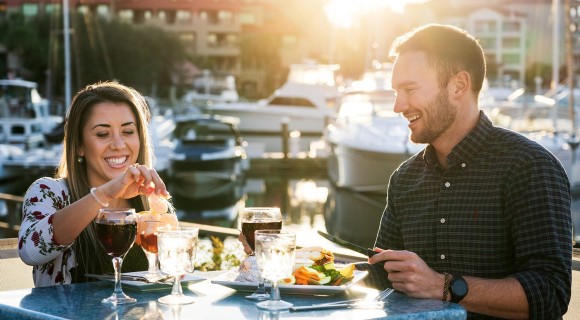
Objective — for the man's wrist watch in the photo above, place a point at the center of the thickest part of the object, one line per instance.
(458, 288)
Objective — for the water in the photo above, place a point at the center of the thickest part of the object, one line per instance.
(307, 205)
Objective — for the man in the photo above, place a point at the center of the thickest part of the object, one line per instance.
(481, 216)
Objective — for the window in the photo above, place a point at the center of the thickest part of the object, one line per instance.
(247, 18)
(511, 42)
(512, 26)
(225, 17)
(183, 16)
(487, 43)
(126, 15)
(102, 10)
(30, 9)
(51, 8)
(511, 58)
(485, 26)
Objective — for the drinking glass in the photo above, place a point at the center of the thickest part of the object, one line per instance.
(275, 252)
(176, 251)
(259, 218)
(147, 225)
(116, 230)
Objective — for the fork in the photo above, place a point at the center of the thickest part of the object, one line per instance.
(376, 302)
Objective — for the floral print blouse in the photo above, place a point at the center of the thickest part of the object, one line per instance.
(52, 263)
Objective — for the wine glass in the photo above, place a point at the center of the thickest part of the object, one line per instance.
(147, 225)
(275, 253)
(176, 251)
(259, 218)
(116, 230)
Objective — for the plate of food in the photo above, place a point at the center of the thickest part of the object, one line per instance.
(314, 273)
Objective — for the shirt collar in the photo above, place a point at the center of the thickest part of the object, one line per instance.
(468, 148)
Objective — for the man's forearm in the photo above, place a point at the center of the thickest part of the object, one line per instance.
(504, 298)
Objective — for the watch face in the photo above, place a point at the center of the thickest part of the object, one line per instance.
(459, 287)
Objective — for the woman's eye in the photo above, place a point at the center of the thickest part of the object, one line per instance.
(129, 132)
(102, 134)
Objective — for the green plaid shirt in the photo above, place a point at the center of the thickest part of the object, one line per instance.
(501, 209)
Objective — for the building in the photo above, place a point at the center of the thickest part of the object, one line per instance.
(211, 30)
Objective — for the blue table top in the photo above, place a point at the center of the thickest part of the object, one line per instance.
(213, 301)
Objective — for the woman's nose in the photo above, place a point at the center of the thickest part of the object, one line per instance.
(118, 142)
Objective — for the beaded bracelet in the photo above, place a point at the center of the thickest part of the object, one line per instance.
(446, 286)
(102, 203)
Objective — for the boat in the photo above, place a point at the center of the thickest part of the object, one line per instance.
(302, 105)
(208, 153)
(368, 141)
(25, 116)
(43, 159)
(211, 87)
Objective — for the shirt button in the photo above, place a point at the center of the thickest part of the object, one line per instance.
(442, 257)
(447, 184)
(463, 165)
(442, 220)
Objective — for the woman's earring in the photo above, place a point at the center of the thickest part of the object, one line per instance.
(80, 159)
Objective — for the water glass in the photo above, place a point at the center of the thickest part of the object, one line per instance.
(259, 218)
(275, 254)
(176, 252)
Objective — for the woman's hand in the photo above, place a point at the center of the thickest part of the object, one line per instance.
(136, 180)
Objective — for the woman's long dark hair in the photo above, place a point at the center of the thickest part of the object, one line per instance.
(90, 257)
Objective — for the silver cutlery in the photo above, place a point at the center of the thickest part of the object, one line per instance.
(376, 302)
(165, 280)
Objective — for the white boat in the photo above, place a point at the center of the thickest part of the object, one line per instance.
(303, 104)
(43, 160)
(209, 88)
(368, 141)
(24, 115)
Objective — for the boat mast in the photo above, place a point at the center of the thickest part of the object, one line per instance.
(67, 72)
(555, 44)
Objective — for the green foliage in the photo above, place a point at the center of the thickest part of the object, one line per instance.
(29, 40)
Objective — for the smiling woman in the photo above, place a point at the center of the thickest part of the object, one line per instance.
(106, 134)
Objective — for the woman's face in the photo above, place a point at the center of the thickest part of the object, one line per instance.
(110, 141)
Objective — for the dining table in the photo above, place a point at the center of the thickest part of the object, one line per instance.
(212, 301)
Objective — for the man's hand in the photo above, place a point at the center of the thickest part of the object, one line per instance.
(410, 274)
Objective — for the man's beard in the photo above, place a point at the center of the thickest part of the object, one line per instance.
(442, 114)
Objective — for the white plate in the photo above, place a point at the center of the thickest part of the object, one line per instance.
(228, 280)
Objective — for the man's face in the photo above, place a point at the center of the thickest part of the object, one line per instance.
(420, 99)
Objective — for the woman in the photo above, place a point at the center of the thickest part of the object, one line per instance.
(106, 162)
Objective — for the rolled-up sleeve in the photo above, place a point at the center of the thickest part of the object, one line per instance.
(539, 208)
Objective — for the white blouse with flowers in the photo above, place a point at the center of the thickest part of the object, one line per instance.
(52, 263)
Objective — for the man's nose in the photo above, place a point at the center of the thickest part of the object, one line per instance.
(400, 104)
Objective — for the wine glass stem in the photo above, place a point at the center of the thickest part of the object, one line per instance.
(274, 291)
(177, 286)
(152, 261)
(261, 286)
(117, 265)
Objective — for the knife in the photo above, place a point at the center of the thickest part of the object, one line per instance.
(354, 247)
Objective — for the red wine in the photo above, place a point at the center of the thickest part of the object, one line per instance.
(248, 228)
(148, 242)
(116, 239)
